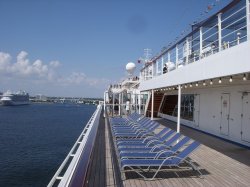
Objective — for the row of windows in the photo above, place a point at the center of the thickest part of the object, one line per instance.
(170, 107)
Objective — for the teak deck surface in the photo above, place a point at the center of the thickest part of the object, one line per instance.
(222, 163)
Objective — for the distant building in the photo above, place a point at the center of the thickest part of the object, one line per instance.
(41, 98)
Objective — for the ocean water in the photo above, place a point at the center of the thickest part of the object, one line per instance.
(35, 139)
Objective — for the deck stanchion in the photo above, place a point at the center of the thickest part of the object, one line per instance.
(152, 105)
(104, 104)
(179, 108)
(176, 56)
(219, 32)
(162, 62)
(187, 51)
(201, 45)
(248, 18)
(113, 104)
(119, 104)
(139, 102)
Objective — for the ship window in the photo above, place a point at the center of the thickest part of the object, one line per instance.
(187, 107)
(170, 106)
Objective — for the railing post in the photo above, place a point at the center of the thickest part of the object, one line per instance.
(122, 102)
(201, 42)
(104, 104)
(152, 69)
(156, 71)
(219, 32)
(152, 105)
(139, 102)
(248, 18)
(162, 63)
(179, 109)
(113, 104)
(187, 50)
(119, 104)
(176, 56)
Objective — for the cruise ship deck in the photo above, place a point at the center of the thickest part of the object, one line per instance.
(221, 163)
(204, 94)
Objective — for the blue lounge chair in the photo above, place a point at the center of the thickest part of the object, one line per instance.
(172, 161)
(147, 142)
(158, 136)
(133, 127)
(138, 133)
(134, 116)
(153, 148)
(160, 154)
(128, 123)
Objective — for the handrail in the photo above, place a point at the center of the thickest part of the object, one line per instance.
(233, 31)
(230, 5)
(215, 25)
(236, 12)
(211, 41)
(233, 23)
(79, 155)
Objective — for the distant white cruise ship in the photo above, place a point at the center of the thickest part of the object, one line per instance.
(18, 98)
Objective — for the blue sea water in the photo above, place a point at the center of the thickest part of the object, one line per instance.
(35, 139)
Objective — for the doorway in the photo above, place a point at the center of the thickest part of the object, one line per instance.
(196, 110)
(225, 111)
(245, 120)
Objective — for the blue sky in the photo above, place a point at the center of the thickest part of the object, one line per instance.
(78, 47)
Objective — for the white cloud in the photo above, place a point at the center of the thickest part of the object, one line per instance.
(5, 59)
(81, 78)
(24, 68)
(55, 64)
(38, 71)
(75, 78)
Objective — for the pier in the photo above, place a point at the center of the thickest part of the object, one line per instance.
(64, 100)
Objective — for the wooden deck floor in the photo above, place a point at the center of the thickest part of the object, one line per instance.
(222, 164)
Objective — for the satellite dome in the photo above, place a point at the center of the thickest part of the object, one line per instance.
(130, 67)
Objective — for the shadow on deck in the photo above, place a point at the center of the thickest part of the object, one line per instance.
(229, 149)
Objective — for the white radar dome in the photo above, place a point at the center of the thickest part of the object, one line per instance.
(130, 67)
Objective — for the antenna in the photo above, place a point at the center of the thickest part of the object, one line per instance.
(147, 55)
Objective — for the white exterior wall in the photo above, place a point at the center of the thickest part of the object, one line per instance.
(210, 112)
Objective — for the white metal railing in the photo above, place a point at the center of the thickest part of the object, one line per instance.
(244, 7)
(74, 155)
(233, 32)
(210, 29)
(214, 41)
(138, 108)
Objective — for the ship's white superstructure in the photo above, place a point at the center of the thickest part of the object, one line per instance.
(207, 83)
(12, 99)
